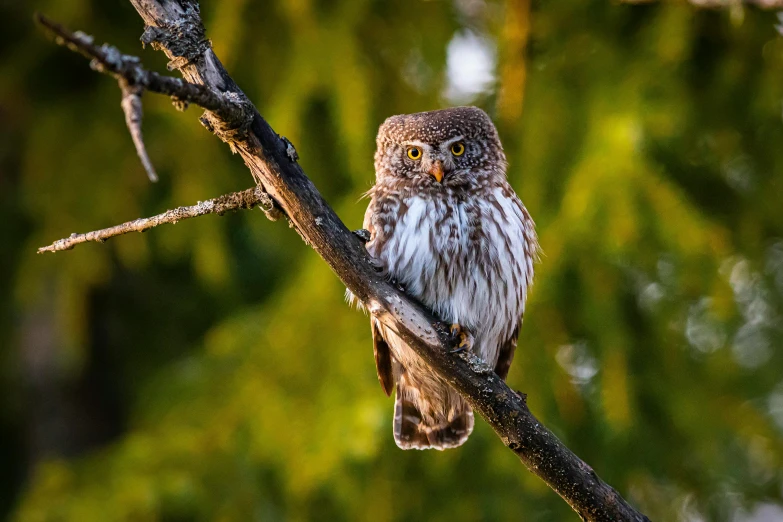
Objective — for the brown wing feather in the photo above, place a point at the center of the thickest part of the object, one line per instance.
(383, 360)
(506, 354)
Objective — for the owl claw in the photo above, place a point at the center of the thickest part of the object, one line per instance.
(396, 284)
(465, 338)
(365, 237)
(363, 234)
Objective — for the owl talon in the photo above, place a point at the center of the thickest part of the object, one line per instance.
(363, 234)
(465, 338)
(396, 284)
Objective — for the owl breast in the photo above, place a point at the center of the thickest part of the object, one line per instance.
(467, 258)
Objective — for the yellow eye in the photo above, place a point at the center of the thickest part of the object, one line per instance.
(414, 153)
(458, 149)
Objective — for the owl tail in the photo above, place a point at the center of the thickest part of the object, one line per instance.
(413, 432)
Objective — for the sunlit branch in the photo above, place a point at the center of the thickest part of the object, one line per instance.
(246, 199)
(108, 59)
(131, 106)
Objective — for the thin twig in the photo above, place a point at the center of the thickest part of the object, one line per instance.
(108, 59)
(245, 199)
(131, 106)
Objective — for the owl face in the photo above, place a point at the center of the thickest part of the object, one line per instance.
(449, 147)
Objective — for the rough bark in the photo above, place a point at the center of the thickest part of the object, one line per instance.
(175, 27)
(246, 199)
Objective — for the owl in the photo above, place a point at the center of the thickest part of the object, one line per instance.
(447, 227)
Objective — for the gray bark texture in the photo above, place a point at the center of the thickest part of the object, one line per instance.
(249, 198)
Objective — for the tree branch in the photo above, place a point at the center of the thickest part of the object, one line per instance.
(131, 106)
(175, 27)
(246, 199)
(108, 59)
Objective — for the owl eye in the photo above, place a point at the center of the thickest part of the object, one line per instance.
(458, 149)
(414, 153)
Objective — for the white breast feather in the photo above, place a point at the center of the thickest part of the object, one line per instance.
(488, 281)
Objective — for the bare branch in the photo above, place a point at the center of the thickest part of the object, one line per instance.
(131, 106)
(176, 28)
(246, 199)
(107, 59)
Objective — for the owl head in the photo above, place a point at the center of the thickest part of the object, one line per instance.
(449, 147)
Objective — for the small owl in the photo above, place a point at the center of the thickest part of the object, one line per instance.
(445, 225)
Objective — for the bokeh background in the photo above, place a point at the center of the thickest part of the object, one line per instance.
(210, 370)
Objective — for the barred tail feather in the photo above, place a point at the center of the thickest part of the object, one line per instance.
(412, 432)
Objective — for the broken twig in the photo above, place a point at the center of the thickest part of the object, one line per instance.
(131, 106)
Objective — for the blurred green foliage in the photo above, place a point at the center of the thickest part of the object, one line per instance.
(210, 371)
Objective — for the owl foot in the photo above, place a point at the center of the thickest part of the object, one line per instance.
(365, 237)
(396, 284)
(363, 234)
(462, 335)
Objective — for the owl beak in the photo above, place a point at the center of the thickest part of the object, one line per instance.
(436, 170)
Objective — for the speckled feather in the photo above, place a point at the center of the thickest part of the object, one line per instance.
(464, 246)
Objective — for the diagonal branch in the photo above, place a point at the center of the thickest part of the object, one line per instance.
(175, 27)
(246, 199)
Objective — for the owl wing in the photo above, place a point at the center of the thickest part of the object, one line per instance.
(529, 251)
(506, 354)
(383, 359)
